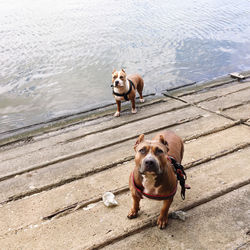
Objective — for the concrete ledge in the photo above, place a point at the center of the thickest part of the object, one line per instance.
(27, 133)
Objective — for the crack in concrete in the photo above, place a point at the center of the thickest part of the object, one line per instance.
(234, 106)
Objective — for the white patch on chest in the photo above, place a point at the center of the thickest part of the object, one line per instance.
(121, 91)
(119, 98)
(148, 183)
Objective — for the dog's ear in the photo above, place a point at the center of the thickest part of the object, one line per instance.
(123, 71)
(113, 71)
(139, 140)
(163, 141)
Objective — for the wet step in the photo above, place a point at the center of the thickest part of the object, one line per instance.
(70, 123)
(99, 225)
(98, 124)
(47, 150)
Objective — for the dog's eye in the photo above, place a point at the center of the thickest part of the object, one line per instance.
(142, 151)
(121, 77)
(158, 151)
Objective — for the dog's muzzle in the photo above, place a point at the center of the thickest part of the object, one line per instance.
(150, 164)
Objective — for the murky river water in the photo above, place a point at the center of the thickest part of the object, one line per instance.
(57, 56)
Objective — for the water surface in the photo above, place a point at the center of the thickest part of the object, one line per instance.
(56, 57)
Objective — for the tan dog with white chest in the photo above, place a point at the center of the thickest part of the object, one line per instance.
(124, 88)
(154, 175)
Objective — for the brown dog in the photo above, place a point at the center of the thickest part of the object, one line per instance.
(154, 175)
(124, 88)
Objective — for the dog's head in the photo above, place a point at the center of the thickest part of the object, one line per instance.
(151, 156)
(119, 78)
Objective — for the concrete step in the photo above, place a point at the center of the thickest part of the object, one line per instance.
(85, 190)
(99, 225)
(17, 160)
(214, 93)
(33, 179)
(228, 101)
(222, 223)
(242, 111)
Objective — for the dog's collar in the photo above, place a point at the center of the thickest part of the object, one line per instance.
(131, 85)
(150, 196)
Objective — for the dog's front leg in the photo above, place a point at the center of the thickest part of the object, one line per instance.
(117, 113)
(135, 208)
(163, 218)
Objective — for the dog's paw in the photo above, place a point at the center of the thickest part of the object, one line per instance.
(134, 111)
(117, 114)
(162, 222)
(141, 100)
(132, 214)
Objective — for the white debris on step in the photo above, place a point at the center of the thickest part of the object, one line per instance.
(109, 199)
(89, 206)
(181, 215)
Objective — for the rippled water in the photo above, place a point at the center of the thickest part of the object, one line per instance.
(57, 56)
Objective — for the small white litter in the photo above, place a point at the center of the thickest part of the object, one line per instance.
(109, 199)
(180, 215)
(89, 206)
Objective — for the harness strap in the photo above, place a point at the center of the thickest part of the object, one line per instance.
(131, 85)
(181, 176)
(155, 197)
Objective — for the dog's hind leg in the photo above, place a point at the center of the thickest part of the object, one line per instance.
(139, 89)
(134, 111)
(117, 113)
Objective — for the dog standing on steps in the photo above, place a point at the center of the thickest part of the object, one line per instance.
(154, 176)
(124, 88)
